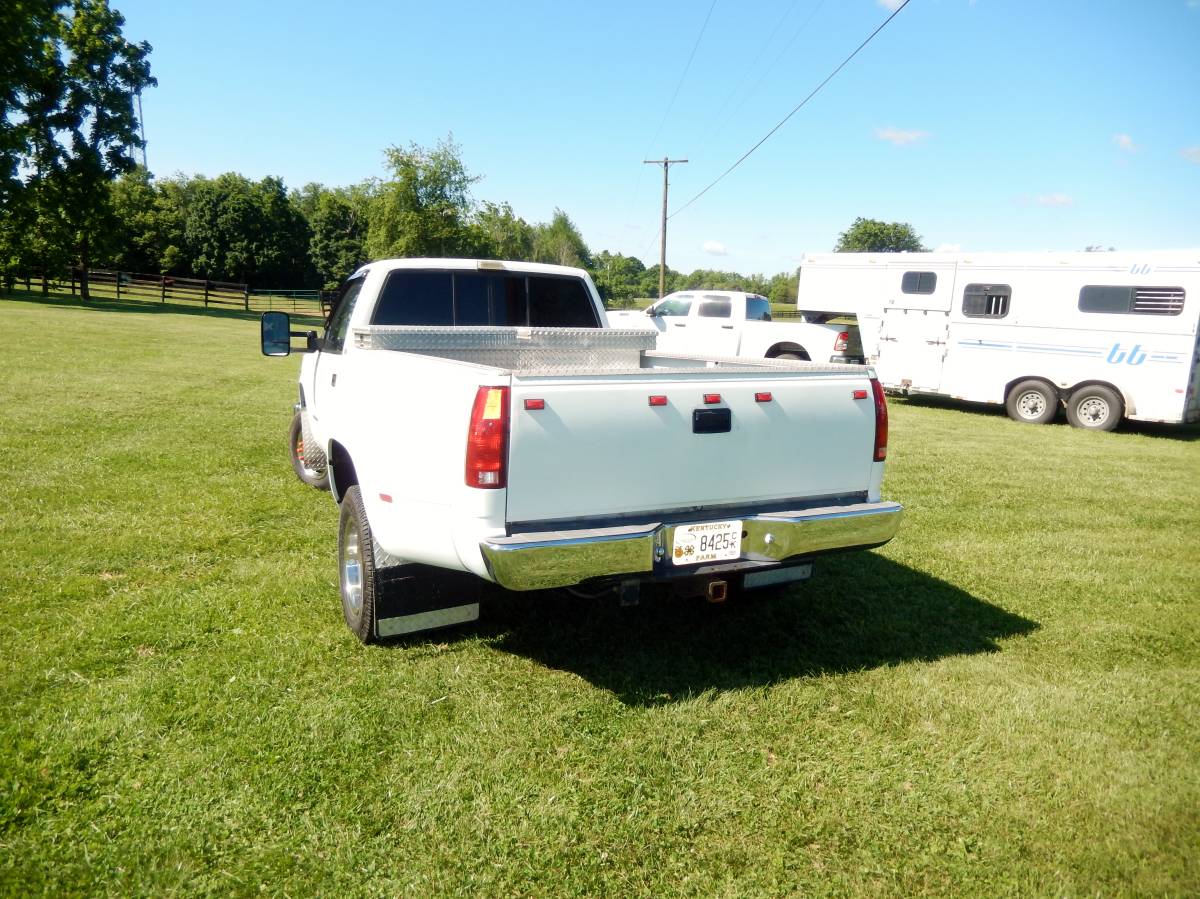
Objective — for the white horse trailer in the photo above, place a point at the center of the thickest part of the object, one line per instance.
(1108, 335)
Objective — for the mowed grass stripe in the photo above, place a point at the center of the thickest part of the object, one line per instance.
(1002, 701)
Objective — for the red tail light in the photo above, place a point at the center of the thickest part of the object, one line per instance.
(487, 439)
(843, 341)
(881, 422)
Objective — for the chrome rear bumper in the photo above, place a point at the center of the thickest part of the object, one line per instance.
(537, 561)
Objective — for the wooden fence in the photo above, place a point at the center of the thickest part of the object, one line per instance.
(134, 287)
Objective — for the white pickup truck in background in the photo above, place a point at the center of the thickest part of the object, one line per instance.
(479, 421)
(735, 324)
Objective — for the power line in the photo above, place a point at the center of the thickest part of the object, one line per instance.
(671, 105)
(770, 68)
(798, 107)
(686, 68)
(747, 70)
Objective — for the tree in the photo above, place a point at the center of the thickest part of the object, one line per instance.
(501, 234)
(618, 277)
(136, 210)
(338, 222)
(871, 236)
(235, 229)
(93, 128)
(560, 243)
(424, 208)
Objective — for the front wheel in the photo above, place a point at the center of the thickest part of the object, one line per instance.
(1095, 407)
(315, 473)
(1032, 402)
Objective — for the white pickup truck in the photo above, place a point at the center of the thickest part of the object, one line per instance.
(480, 421)
(732, 323)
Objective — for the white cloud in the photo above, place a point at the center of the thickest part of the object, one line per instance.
(899, 136)
(714, 248)
(1191, 154)
(948, 248)
(1054, 200)
(893, 5)
(1125, 142)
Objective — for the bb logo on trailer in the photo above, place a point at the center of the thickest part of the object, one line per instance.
(1135, 356)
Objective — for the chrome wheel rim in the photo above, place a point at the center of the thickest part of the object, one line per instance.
(351, 569)
(1031, 404)
(1092, 411)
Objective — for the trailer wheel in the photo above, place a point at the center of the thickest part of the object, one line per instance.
(315, 474)
(794, 357)
(1033, 402)
(1095, 407)
(358, 578)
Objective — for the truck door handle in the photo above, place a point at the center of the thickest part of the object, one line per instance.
(333, 380)
(727, 327)
(679, 324)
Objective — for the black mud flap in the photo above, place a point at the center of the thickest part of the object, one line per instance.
(415, 598)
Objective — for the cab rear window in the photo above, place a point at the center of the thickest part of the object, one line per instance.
(469, 298)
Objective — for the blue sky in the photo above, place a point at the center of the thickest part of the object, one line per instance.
(986, 124)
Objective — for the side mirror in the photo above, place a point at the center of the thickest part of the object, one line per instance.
(277, 334)
(652, 311)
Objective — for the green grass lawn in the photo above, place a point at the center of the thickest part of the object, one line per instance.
(1003, 701)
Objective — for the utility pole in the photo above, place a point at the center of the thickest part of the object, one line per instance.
(662, 253)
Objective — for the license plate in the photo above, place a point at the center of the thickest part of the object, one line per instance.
(714, 541)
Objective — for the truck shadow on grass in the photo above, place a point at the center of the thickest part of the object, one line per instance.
(859, 611)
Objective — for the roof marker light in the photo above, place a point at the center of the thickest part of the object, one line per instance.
(658, 400)
(762, 397)
(533, 405)
(861, 394)
(712, 399)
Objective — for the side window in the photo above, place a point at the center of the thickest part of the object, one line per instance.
(1131, 300)
(677, 305)
(758, 309)
(986, 300)
(918, 282)
(715, 307)
(415, 298)
(339, 319)
(560, 303)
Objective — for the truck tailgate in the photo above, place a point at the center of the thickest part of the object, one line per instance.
(596, 447)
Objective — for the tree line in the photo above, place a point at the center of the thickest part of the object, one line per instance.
(73, 196)
(232, 228)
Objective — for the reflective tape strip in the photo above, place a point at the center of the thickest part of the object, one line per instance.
(425, 621)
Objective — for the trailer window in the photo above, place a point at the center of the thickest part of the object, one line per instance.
(918, 282)
(986, 300)
(1119, 300)
(758, 309)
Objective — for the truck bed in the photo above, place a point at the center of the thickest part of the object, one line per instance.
(592, 448)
